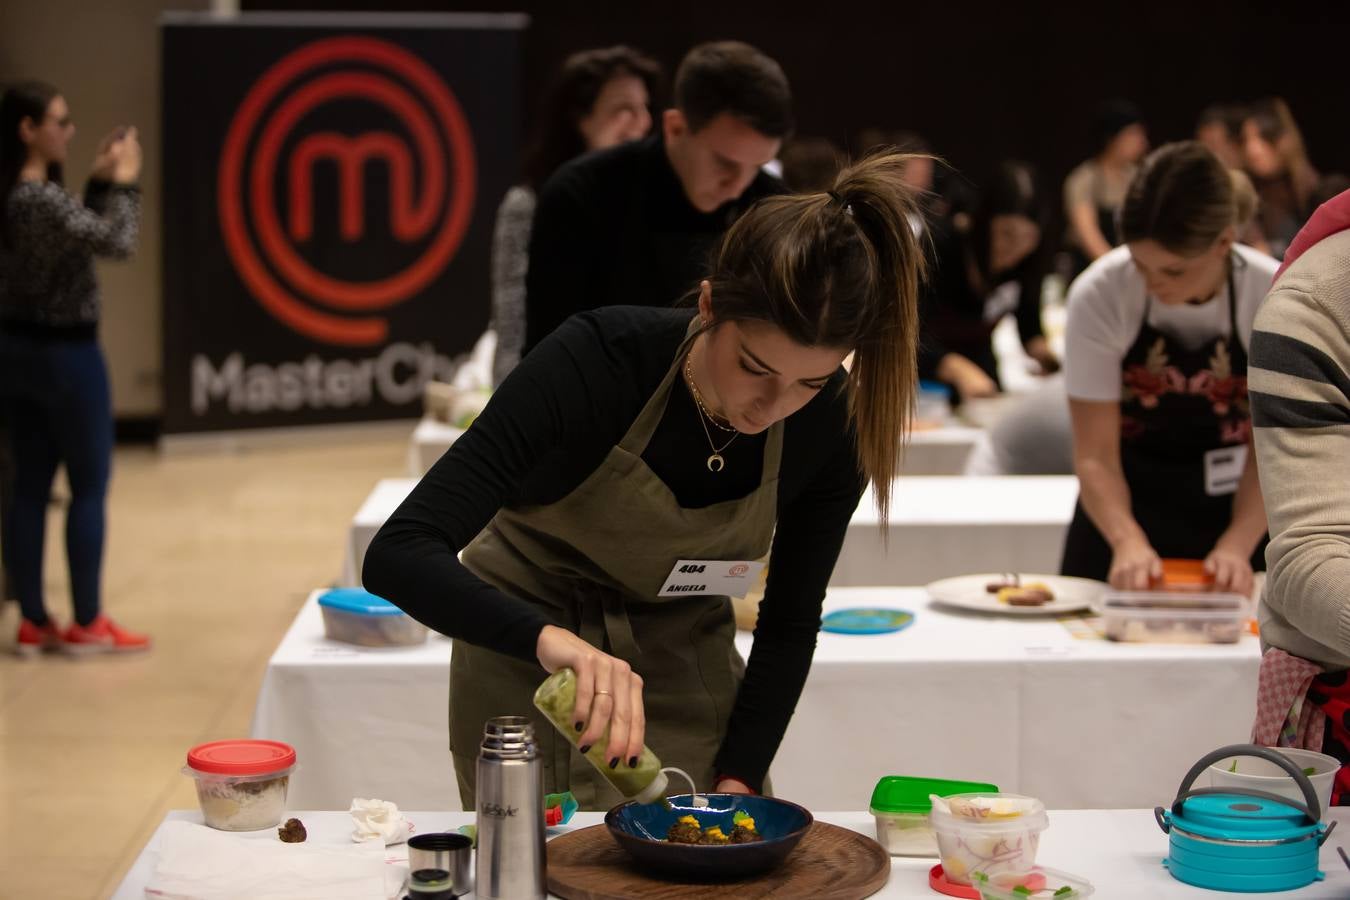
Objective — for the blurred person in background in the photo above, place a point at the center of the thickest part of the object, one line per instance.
(992, 267)
(635, 223)
(600, 98)
(1219, 127)
(54, 390)
(1156, 373)
(810, 164)
(1094, 191)
(1277, 161)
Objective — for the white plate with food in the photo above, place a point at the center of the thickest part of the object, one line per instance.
(1018, 593)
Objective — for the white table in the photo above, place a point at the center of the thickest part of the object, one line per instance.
(379, 505)
(1119, 851)
(939, 451)
(430, 439)
(939, 526)
(942, 526)
(1019, 703)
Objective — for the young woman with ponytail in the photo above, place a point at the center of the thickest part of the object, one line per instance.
(1156, 371)
(637, 442)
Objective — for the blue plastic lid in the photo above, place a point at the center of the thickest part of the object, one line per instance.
(933, 387)
(866, 621)
(1241, 817)
(358, 602)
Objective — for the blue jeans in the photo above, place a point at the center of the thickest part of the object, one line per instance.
(58, 409)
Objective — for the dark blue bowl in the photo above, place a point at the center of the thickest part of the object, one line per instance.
(641, 830)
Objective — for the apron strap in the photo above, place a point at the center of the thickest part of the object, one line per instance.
(604, 622)
(644, 426)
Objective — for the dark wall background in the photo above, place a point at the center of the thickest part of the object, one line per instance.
(981, 81)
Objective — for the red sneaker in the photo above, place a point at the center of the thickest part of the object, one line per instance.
(102, 635)
(34, 639)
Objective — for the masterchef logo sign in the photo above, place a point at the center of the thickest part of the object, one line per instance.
(286, 140)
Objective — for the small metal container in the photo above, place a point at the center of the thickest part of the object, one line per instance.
(450, 852)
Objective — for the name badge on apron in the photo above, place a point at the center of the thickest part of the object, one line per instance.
(716, 577)
(1223, 470)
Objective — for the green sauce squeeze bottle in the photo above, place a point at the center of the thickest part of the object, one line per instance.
(556, 698)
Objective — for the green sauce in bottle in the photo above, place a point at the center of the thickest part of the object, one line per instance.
(556, 698)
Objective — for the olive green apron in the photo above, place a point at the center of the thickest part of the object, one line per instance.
(594, 563)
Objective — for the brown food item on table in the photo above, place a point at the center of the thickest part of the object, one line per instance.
(293, 832)
(685, 831)
(1030, 595)
(1010, 580)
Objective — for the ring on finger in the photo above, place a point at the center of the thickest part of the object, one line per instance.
(603, 694)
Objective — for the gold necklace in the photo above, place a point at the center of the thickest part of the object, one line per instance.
(716, 462)
(698, 397)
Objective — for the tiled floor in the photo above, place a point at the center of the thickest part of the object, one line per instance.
(212, 554)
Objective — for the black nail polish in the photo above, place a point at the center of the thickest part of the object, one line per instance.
(632, 762)
(586, 749)
(613, 762)
(580, 725)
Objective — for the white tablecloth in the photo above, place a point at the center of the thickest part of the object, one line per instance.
(1019, 703)
(1119, 851)
(939, 526)
(430, 439)
(379, 505)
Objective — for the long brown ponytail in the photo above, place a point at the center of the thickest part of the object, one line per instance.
(840, 268)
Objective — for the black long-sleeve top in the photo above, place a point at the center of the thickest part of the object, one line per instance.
(955, 317)
(47, 261)
(615, 228)
(549, 425)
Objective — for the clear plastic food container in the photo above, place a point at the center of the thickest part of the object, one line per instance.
(1175, 618)
(1037, 882)
(242, 784)
(993, 833)
(901, 806)
(355, 616)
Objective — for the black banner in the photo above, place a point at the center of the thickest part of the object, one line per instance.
(330, 185)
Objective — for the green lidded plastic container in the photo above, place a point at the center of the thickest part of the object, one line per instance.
(901, 806)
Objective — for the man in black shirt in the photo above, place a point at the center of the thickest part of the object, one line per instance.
(634, 224)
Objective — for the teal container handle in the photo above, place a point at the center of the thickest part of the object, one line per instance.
(1312, 809)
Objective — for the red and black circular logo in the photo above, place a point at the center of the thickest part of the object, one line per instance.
(324, 130)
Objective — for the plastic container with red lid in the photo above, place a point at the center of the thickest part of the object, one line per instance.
(241, 784)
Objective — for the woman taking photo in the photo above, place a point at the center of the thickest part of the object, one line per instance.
(601, 98)
(634, 440)
(1156, 371)
(53, 379)
(989, 269)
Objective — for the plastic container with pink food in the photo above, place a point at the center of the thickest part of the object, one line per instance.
(1033, 884)
(994, 833)
(241, 784)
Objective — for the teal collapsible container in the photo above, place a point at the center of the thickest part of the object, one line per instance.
(1245, 841)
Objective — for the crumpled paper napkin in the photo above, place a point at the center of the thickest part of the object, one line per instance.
(200, 863)
(379, 819)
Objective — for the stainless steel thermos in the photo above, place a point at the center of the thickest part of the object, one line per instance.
(510, 863)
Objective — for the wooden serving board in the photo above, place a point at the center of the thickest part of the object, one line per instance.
(830, 863)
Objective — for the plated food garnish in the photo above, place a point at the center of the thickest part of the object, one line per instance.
(687, 830)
